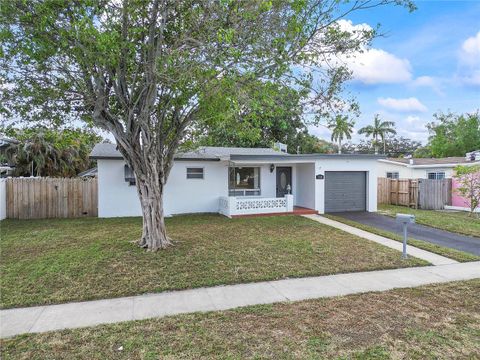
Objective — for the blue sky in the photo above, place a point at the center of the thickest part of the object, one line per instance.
(427, 61)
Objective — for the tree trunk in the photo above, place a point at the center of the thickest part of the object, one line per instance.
(150, 192)
(339, 146)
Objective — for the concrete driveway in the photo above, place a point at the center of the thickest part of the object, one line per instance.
(465, 243)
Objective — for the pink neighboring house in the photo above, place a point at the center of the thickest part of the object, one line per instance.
(459, 202)
(457, 199)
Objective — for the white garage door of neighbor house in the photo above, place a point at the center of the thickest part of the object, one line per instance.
(345, 191)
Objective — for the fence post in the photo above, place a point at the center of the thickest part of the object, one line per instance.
(289, 202)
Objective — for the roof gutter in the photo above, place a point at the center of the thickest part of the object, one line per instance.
(443, 165)
(426, 166)
(93, 157)
(304, 157)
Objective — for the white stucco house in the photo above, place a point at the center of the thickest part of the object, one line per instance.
(243, 181)
(424, 168)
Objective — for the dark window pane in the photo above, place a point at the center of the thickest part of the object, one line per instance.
(392, 175)
(194, 173)
(244, 178)
(241, 179)
(436, 175)
(129, 175)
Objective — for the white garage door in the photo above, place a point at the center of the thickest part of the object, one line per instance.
(345, 191)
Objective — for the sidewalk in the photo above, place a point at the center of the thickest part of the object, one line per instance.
(90, 313)
(432, 258)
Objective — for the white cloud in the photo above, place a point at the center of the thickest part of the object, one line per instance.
(347, 25)
(469, 72)
(436, 84)
(415, 128)
(424, 81)
(374, 66)
(403, 105)
(412, 119)
(470, 51)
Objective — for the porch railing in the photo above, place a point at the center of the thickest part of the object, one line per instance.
(231, 205)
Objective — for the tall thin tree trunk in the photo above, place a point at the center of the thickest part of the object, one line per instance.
(339, 146)
(154, 234)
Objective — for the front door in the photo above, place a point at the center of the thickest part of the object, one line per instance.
(284, 181)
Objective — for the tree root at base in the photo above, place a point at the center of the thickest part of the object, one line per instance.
(142, 243)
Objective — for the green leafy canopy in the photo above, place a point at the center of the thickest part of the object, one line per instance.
(113, 63)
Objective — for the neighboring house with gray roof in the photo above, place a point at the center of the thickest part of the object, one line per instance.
(243, 181)
(6, 168)
(425, 168)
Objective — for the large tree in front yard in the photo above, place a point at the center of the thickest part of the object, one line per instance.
(140, 68)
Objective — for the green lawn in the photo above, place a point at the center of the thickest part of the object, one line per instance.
(54, 261)
(454, 254)
(432, 322)
(458, 221)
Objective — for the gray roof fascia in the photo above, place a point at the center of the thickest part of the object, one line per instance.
(300, 157)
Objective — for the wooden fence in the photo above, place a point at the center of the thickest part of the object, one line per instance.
(41, 198)
(417, 193)
(434, 194)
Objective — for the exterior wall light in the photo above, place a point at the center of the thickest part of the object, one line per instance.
(272, 167)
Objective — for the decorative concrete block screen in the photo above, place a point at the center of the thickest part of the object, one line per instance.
(232, 206)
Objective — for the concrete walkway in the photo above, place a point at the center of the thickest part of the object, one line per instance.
(432, 258)
(90, 313)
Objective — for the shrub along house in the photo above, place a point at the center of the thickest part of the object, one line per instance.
(243, 181)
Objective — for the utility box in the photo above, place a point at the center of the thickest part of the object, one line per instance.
(406, 219)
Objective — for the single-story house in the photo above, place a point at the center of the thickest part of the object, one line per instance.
(424, 168)
(241, 181)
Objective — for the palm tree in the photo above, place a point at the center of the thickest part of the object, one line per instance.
(341, 128)
(379, 129)
(35, 156)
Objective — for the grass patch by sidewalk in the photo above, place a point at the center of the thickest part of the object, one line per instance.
(454, 221)
(62, 260)
(430, 322)
(454, 254)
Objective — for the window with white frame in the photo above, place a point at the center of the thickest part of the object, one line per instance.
(392, 175)
(244, 181)
(436, 175)
(194, 173)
